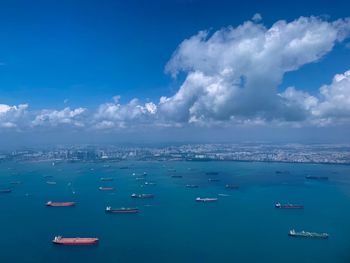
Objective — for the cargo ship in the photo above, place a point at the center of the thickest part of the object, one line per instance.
(288, 206)
(75, 241)
(312, 177)
(231, 186)
(5, 191)
(206, 199)
(60, 204)
(142, 196)
(106, 179)
(125, 210)
(106, 188)
(192, 186)
(293, 233)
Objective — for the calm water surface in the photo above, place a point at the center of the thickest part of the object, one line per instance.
(241, 227)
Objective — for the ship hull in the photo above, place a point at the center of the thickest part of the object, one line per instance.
(122, 211)
(60, 204)
(75, 241)
(206, 200)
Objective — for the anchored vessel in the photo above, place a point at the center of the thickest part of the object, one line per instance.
(205, 200)
(60, 204)
(231, 186)
(106, 188)
(142, 196)
(312, 177)
(125, 210)
(293, 233)
(288, 206)
(75, 241)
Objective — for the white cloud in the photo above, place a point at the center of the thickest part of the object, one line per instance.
(335, 98)
(330, 106)
(234, 73)
(12, 116)
(257, 17)
(115, 115)
(67, 116)
(231, 77)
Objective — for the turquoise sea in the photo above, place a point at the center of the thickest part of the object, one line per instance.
(241, 227)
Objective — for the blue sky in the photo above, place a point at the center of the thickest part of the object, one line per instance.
(87, 52)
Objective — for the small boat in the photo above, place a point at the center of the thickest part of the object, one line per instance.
(51, 182)
(176, 176)
(5, 191)
(288, 206)
(213, 180)
(106, 179)
(106, 188)
(231, 186)
(312, 177)
(142, 196)
(192, 186)
(75, 241)
(124, 210)
(293, 233)
(60, 204)
(206, 199)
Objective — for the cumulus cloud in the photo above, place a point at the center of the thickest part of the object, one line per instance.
(235, 72)
(231, 77)
(12, 116)
(257, 17)
(116, 115)
(67, 116)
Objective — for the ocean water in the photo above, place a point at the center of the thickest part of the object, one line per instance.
(241, 227)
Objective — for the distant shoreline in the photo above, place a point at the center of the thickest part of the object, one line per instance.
(169, 160)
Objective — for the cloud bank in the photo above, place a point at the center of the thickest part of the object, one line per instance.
(231, 78)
